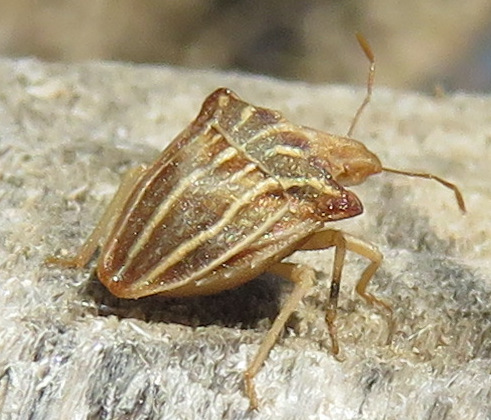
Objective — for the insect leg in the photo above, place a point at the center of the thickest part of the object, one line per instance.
(372, 253)
(303, 277)
(105, 224)
(343, 241)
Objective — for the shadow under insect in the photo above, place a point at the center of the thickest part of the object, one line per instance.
(242, 307)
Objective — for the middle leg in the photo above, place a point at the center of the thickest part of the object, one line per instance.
(303, 277)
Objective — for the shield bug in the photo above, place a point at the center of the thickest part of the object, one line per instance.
(236, 192)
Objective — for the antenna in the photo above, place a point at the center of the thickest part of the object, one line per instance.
(365, 46)
(445, 183)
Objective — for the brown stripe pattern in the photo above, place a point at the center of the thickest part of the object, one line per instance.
(237, 189)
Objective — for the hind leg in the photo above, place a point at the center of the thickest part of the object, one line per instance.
(105, 225)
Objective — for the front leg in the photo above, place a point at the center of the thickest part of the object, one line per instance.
(343, 241)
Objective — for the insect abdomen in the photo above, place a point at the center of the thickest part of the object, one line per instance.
(218, 203)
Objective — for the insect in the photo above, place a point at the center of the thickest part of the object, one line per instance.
(236, 192)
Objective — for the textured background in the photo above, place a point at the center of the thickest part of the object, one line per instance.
(68, 349)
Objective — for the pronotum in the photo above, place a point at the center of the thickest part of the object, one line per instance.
(236, 192)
